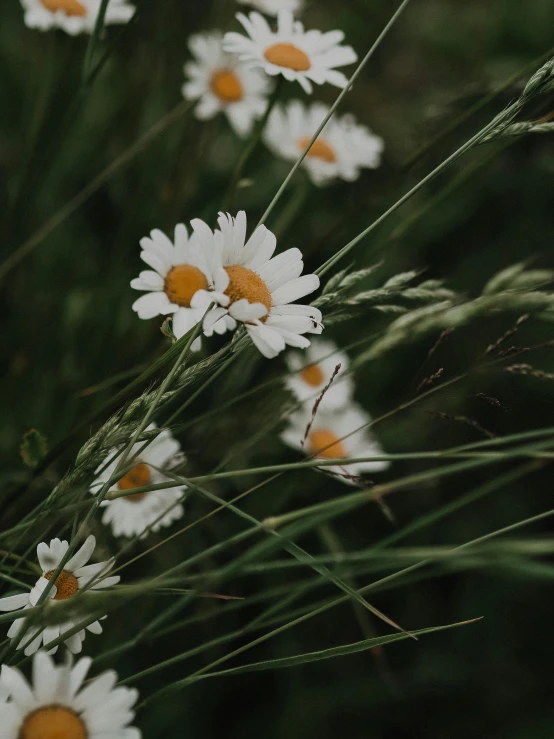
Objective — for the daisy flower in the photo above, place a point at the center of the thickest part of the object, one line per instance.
(73, 16)
(341, 150)
(305, 56)
(57, 706)
(143, 512)
(260, 288)
(272, 7)
(223, 84)
(179, 270)
(313, 371)
(328, 438)
(75, 576)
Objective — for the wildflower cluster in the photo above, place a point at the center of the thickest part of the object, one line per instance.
(223, 277)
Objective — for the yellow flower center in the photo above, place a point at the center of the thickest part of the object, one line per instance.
(53, 722)
(326, 444)
(320, 149)
(313, 375)
(69, 7)
(245, 283)
(137, 477)
(182, 282)
(288, 55)
(226, 86)
(66, 585)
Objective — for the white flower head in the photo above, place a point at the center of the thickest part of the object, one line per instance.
(73, 16)
(223, 84)
(57, 706)
(304, 56)
(260, 289)
(272, 7)
(179, 271)
(331, 437)
(313, 370)
(75, 576)
(341, 150)
(140, 513)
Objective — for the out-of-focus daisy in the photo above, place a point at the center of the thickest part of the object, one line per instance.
(341, 150)
(272, 7)
(313, 371)
(223, 84)
(139, 513)
(57, 706)
(260, 288)
(305, 56)
(75, 576)
(73, 16)
(329, 438)
(180, 270)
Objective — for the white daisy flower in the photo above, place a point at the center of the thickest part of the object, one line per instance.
(73, 16)
(75, 576)
(223, 84)
(313, 371)
(260, 289)
(305, 56)
(272, 7)
(140, 513)
(341, 150)
(57, 706)
(329, 438)
(180, 270)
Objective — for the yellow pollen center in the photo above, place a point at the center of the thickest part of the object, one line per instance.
(226, 86)
(313, 375)
(66, 584)
(288, 55)
(182, 282)
(326, 444)
(320, 149)
(69, 7)
(245, 283)
(137, 477)
(53, 722)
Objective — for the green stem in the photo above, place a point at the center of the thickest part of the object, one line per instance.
(250, 148)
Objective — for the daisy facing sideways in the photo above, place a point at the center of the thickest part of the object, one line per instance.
(272, 7)
(223, 84)
(140, 513)
(75, 576)
(57, 706)
(261, 289)
(312, 370)
(329, 438)
(304, 56)
(179, 270)
(341, 150)
(73, 16)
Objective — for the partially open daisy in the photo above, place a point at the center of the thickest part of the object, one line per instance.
(313, 370)
(57, 706)
(223, 84)
(329, 438)
(272, 7)
(341, 150)
(304, 56)
(180, 270)
(260, 289)
(75, 576)
(73, 16)
(140, 513)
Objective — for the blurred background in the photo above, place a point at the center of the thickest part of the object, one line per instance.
(70, 340)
